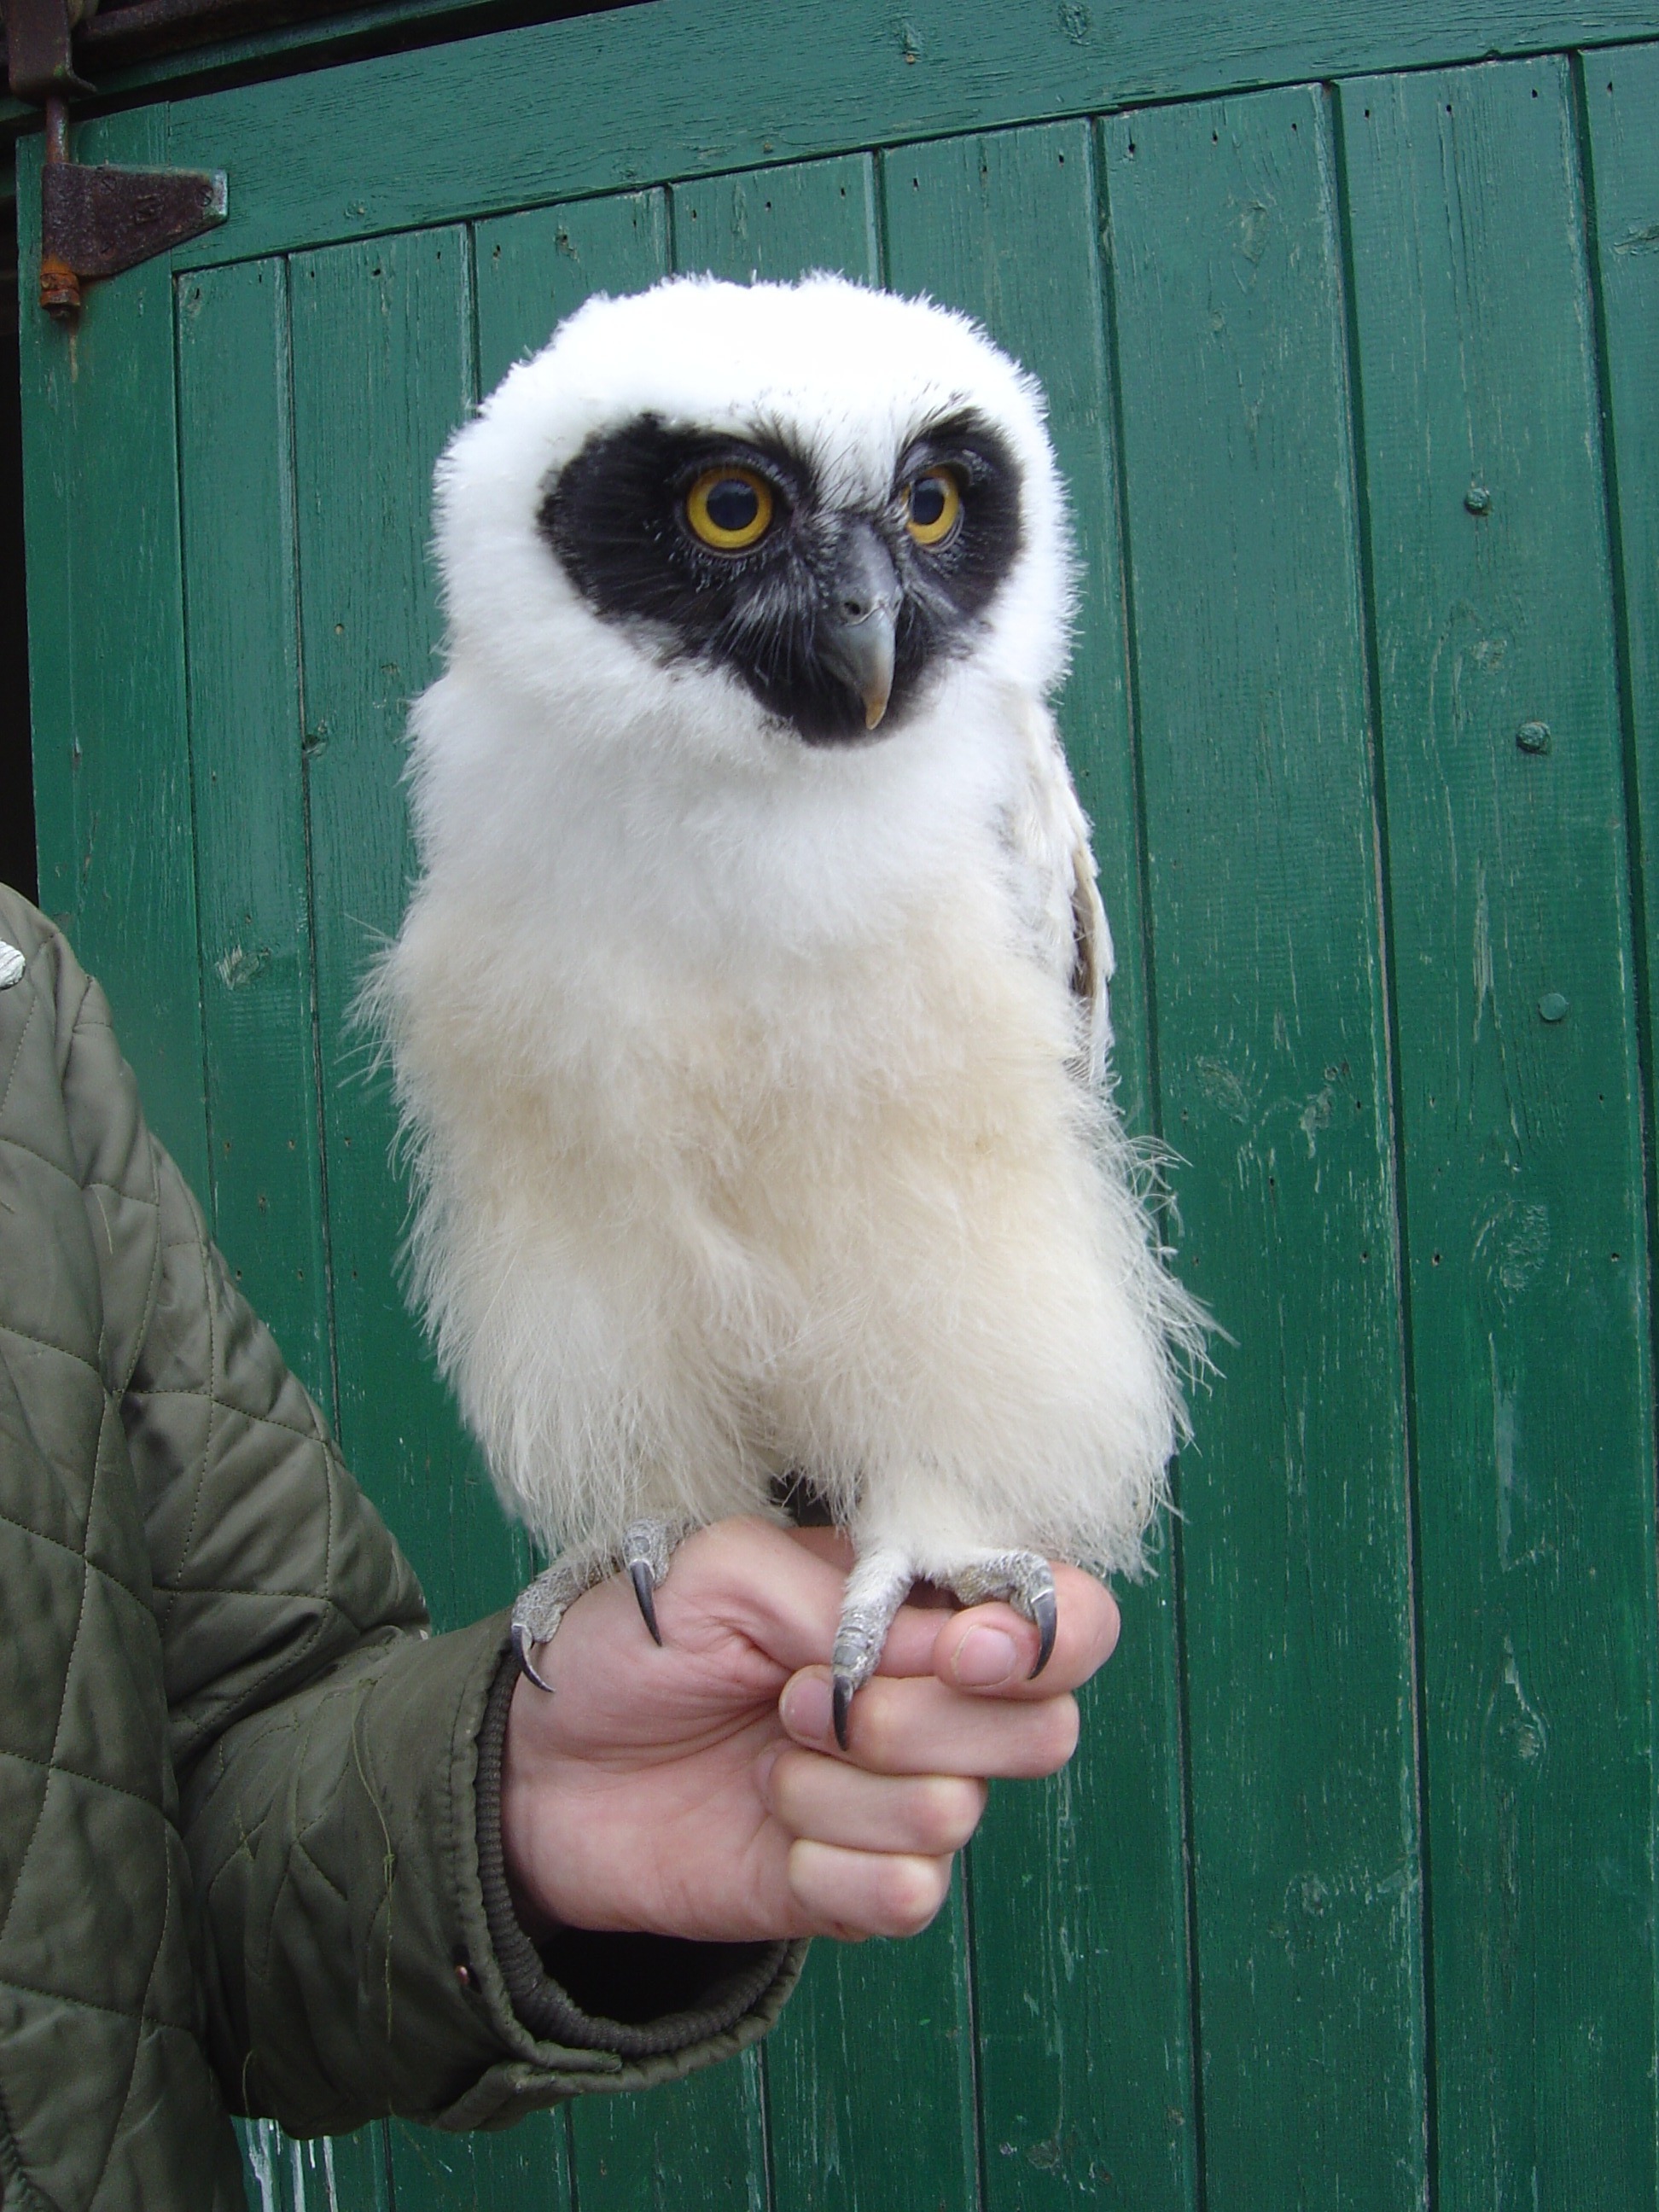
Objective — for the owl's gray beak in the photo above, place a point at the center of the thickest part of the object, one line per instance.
(856, 630)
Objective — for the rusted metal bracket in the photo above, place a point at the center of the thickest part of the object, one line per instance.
(94, 221)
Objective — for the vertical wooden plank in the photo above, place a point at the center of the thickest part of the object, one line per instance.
(524, 2169)
(381, 341)
(535, 269)
(107, 657)
(339, 2173)
(18, 853)
(382, 350)
(1621, 100)
(872, 2077)
(237, 496)
(1519, 1088)
(265, 2176)
(1271, 1031)
(775, 224)
(1078, 1887)
(701, 2143)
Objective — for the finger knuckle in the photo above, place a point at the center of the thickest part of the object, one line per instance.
(1056, 1733)
(872, 1735)
(1114, 1626)
(947, 1811)
(912, 1891)
(787, 1786)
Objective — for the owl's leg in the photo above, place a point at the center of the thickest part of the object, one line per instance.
(1024, 1579)
(878, 1586)
(647, 1548)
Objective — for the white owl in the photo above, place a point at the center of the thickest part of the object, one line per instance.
(748, 1019)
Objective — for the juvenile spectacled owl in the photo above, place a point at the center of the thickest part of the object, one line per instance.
(750, 1017)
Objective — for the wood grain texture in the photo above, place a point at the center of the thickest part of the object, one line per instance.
(382, 373)
(523, 2170)
(1528, 1276)
(1270, 1020)
(777, 224)
(1079, 1886)
(872, 2077)
(236, 496)
(107, 658)
(533, 269)
(678, 89)
(701, 2143)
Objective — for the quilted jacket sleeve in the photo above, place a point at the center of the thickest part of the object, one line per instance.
(327, 1751)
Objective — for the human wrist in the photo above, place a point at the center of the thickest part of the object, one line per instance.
(522, 1819)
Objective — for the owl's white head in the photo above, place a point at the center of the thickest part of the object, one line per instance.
(753, 521)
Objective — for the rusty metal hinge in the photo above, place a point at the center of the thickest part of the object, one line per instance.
(94, 221)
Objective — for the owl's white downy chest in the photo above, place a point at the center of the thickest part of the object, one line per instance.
(750, 1142)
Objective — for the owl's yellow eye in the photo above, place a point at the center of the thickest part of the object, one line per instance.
(730, 509)
(933, 507)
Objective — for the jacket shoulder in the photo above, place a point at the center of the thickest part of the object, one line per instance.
(66, 1095)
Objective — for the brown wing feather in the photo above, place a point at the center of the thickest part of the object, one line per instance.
(1049, 836)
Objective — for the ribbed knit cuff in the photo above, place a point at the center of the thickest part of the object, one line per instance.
(674, 1993)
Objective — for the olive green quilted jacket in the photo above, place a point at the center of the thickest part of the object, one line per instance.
(249, 1850)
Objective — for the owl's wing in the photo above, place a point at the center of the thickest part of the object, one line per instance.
(1054, 867)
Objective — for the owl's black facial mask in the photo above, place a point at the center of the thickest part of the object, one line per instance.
(783, 614)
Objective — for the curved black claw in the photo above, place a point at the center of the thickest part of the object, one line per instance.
(523, 1645)
(645, 1589)
(1045, 1610)
(841, 1699)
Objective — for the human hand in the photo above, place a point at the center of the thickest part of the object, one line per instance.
(697, 1789)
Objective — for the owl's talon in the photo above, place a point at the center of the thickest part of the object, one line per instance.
(842, 1687)
(857, 1648)
(539, 1609)
(647, 1546)
(644, 1590)
(523, 1645)
(1026, 1581)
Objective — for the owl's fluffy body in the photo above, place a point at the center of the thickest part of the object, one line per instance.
(742, 1075)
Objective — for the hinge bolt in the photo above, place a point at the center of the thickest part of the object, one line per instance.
(60, 289)
(60, 286)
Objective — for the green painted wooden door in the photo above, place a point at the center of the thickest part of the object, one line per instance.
(1352, 347)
